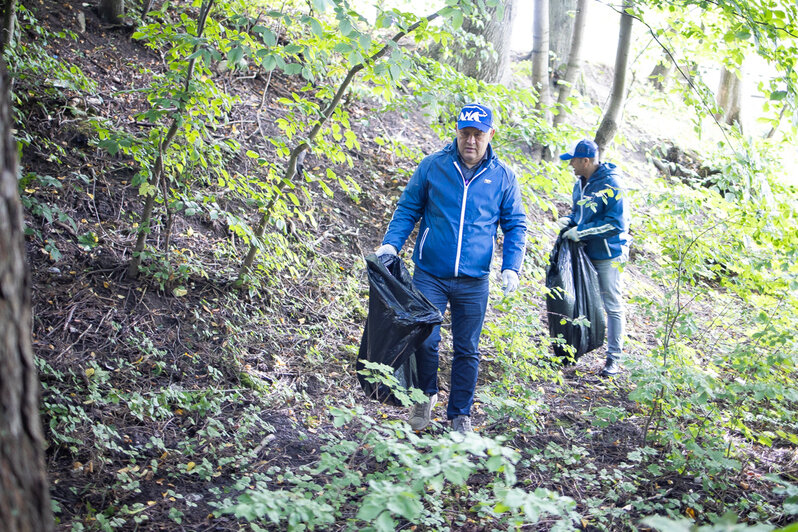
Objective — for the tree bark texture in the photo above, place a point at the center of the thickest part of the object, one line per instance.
(7, 17)
(728, 98)
(24, 495)
(475, 58)
(112, 11)
(561, 26)
(540, 52)
(574, 62)
(609, 122)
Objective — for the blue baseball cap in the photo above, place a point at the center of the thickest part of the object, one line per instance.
(583, 148)
(475, 115)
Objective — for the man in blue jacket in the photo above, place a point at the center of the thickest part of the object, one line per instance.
(600, 219)
(461, 195)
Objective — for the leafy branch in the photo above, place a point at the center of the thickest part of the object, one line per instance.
(299, 151)
(158, 168)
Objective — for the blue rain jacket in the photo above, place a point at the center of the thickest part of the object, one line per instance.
(600, 214)
(459, 221)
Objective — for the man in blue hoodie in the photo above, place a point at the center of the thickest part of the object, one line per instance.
(600, 219)
(461, 195)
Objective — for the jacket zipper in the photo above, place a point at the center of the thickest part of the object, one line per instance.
(462, 215)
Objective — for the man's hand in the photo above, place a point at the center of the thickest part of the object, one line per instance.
(386, 249)
(509, 282)
(572, 234)
(563, 222)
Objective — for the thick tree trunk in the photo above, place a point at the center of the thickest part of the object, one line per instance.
(612, 116)
(490, 62)
(24, 495)
(498, 32)
(728, 99)
(574, 62)
(561, 25)
(540, 52)
(112, 11)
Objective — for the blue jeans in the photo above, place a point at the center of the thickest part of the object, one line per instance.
(467, 298)
(611, 285)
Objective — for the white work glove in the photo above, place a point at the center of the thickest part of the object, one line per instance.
(386, 249)
(572, 234)
(563, 222)
(509, 282)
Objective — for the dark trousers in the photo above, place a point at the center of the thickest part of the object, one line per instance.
(467, 298)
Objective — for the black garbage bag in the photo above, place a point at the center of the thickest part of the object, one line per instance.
(400, 318)
(573, 292)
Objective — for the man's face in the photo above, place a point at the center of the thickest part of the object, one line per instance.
(472, 144)
(579, 165)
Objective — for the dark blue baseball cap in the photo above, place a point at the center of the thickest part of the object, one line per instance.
(475, 115)
(583, 148)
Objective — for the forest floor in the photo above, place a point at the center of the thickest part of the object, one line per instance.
(169, 442)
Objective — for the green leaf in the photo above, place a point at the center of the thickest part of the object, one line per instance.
(235, 56)
(346, 27)
(385, 523)
(292, 69)
(343, 47)
(325, 189)
(457, 19)
(267, 36)
(406, 506)
(320, 6)
(371, 508)
(109, 145)
(269, 63)
(315, 26)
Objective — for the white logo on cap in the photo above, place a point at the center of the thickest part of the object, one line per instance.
(471, 116)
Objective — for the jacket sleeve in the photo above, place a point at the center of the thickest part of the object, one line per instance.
(609, 219)
(408, 210)
(512, 220)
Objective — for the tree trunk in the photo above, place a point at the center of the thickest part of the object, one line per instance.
(661, 72)
(540, 53)
(609, 123)
(112, 11)
(574, 62)
(489, 62)
(24, 495)
(561, 25)
(498, 33)
(7, 20)
(728, 99)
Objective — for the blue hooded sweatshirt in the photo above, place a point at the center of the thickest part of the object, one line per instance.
(600, 214)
